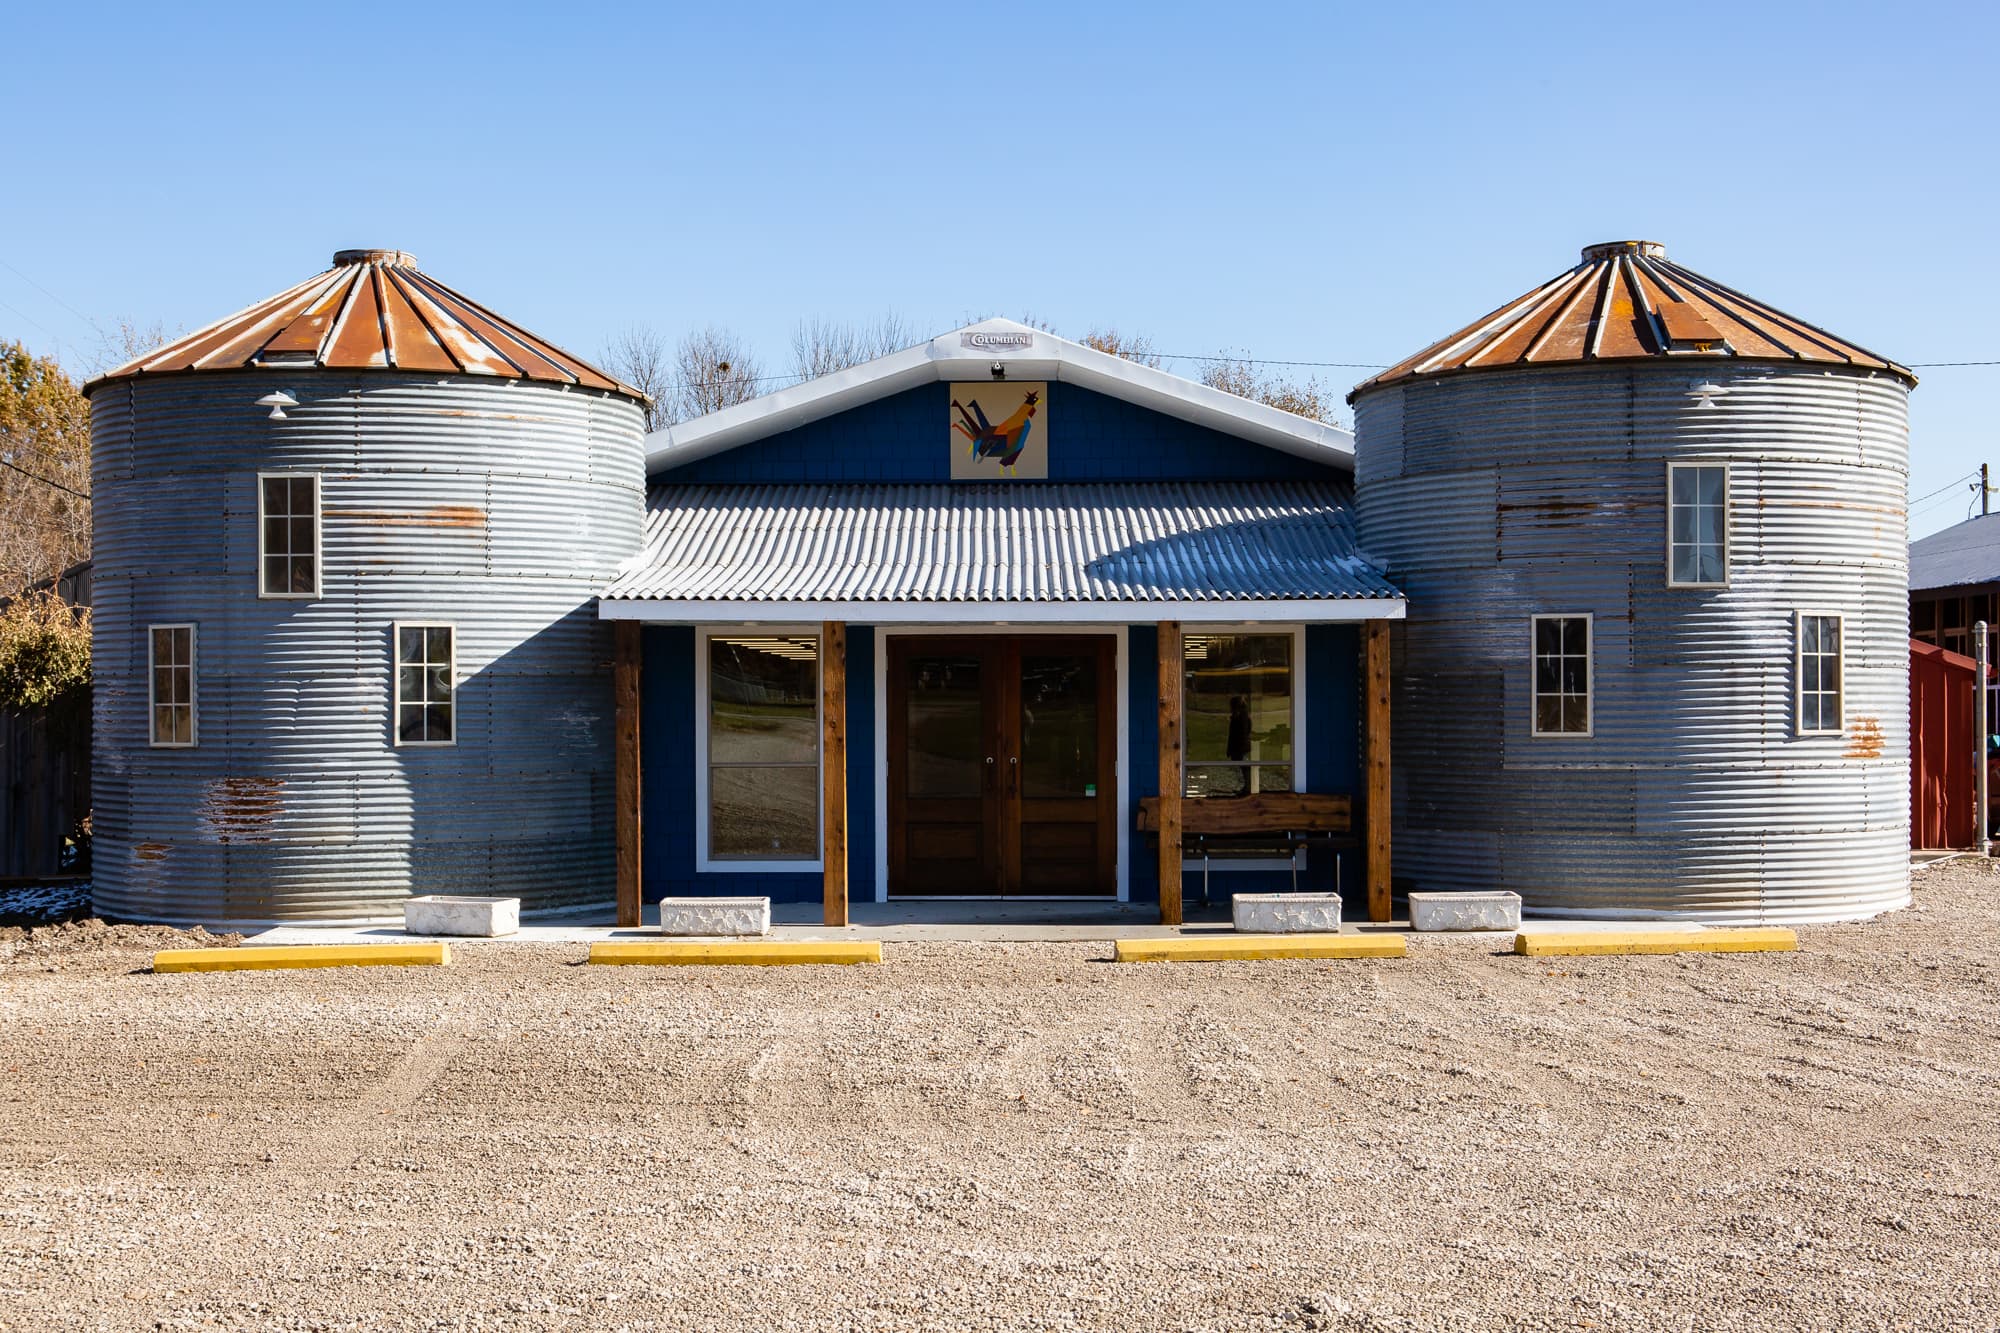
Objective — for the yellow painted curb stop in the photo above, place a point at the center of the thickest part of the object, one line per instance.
(1232, 948)
(756, 953)
(265, 957)
(1719, 939)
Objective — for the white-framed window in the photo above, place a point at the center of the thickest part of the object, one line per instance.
(170, 703)
(1697, 525)
(759, 782)
(1240, 712)
(1560, 653)
(288, 530)
(1821, 673)
(425, 705)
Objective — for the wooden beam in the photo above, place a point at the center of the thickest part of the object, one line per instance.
(1170, 772)
(1375, 762)
(625, 661)
(833, 767)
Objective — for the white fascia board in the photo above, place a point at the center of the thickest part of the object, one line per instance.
(1049, 358)
(1318, 611)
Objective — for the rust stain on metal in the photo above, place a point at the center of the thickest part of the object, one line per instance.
(373, 310)
(241, 809)
(437, 516)
(1864, 739)
(1627, 301)
(150, 851)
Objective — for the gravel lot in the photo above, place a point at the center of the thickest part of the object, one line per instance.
(1013, 1136)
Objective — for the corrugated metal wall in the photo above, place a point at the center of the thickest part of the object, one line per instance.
(499, 506)
(1492, 497)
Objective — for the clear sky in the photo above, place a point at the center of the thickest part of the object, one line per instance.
(1313, 182)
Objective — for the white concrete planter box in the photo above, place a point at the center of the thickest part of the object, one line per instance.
(1465, 911)
(715, 916)
(1285, 913)
(442, 914)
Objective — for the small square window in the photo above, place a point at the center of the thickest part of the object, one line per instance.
(426, 685)
(288, 532)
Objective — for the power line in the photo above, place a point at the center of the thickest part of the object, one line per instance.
(1932, 365)
(31, 476)
(53, 297)
(1950, 485)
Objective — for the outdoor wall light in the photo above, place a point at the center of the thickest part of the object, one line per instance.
(1705, 392)
(999, 369)
(277, 402)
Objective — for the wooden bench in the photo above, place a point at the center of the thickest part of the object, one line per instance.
(1264, 825)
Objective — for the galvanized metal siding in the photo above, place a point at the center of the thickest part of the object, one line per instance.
(1695, 795)
(498, 506)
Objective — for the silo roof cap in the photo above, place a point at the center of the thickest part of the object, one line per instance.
(372, 310)
(1626, 301)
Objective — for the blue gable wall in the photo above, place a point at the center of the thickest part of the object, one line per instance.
(905, 437)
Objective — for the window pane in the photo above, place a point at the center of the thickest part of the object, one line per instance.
(437, 649)
(1548, 712)
(1684, 485)
(1709, 485)
(764, 813)
(410, 722)
(302, 573)
(410, 683)
(301, 536)
(1058, 724)
(183, 716)
(1548, 637)
(1683, 524)
(302, 495)
(277, 575)
(1829, 635)
(437, 684)
(437, 722)
(1809, 672)
(409, 645)
(1575, 713)
(1548, 675)
(945, 746)
(163, 685)
(1237, 702)
(274, 537)
(763, 704)
(275, 493)
(1575, 676)
(1576, 636)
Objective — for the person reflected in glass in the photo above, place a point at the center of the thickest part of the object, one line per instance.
(1238, 745)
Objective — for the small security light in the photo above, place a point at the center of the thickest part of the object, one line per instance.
(999, 369)
(277, 402)
(1706, 392)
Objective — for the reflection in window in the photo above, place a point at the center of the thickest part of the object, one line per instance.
(1237, 714)
(1562, 676)
(946, 739)
(172, 684)
(763, 747)
(288, 536)
(1697, 523)
(426, 711)
(1819, 674)
(1058, 724)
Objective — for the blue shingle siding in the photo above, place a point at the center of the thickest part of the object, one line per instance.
(905, 438)
(667, 758)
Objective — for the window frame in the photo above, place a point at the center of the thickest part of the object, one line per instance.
(1695, 463)
(1297, 634)
(396, 628)
(1799, 673)
(194, 687)
(319, 543)
(1589, 619)
(705, 860)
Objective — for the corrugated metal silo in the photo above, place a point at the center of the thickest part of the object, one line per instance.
(1520, 468)
(468, 474)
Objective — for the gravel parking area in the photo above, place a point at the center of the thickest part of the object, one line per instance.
(1014, 1136)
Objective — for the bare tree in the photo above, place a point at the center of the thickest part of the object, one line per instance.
(125, 344)
(712, 369)
(639, 356)
(822, 346)
(1305, 398)
(1132, 347)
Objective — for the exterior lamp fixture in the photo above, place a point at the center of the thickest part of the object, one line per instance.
(277, 402)
(1705, 392)
(999, 369)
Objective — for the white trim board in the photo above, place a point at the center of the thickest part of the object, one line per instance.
(960, 617)
(973, 353)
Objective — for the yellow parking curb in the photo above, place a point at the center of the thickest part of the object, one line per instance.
(1721, 939)
(1232, 948)
(260, 958)
(757, 953)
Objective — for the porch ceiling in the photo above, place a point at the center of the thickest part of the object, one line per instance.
(1031, 551)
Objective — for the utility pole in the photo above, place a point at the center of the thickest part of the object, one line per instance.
(1985, 492)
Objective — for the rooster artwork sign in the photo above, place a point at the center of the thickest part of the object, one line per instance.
(999, 431)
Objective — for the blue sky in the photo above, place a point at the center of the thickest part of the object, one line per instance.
(1314, 182)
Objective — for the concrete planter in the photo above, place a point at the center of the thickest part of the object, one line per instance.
(1465, 911)
(443, 914)
(1285, 913)
(715, 916)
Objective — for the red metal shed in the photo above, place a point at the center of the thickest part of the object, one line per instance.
(1941, 748)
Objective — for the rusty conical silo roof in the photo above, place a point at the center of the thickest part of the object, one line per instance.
(373, 310)
(1626, 301)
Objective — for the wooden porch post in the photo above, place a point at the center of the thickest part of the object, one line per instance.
(626, 651)
(1375, 762)
(833, 768)
(1170, 772)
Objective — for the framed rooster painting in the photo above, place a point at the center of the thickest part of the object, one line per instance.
(999, 431)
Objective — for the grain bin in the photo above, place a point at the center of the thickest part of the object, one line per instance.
(345, 646)
(1653, 534)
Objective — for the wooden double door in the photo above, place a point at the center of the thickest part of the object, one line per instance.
(1003, 765)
